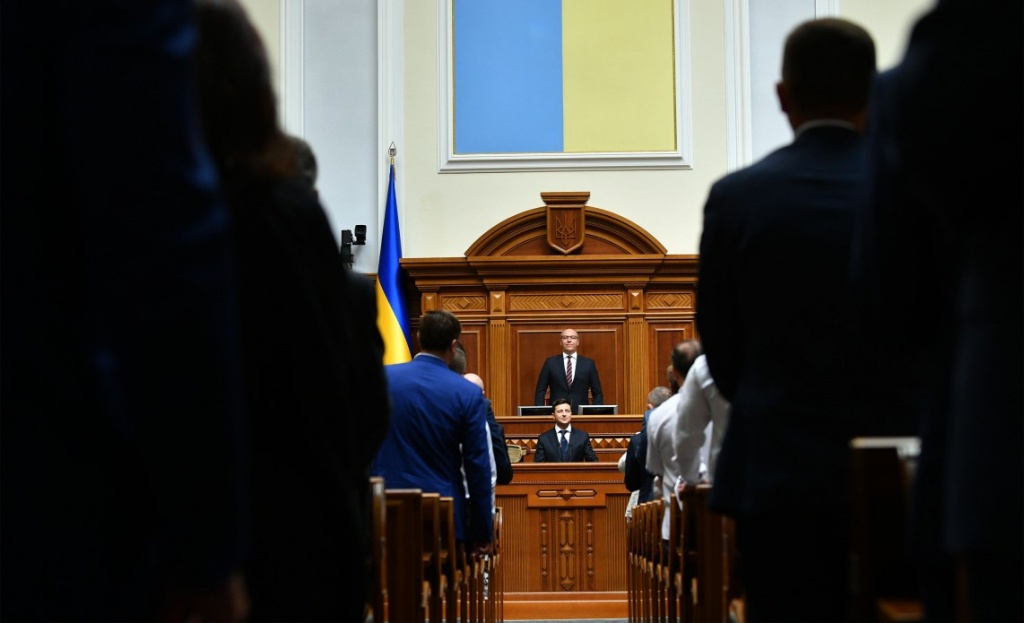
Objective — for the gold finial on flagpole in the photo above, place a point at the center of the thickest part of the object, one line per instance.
(392, 151)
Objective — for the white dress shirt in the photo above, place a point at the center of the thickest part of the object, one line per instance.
(700, 407)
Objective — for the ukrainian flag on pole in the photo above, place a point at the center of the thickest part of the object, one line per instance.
(392, 316)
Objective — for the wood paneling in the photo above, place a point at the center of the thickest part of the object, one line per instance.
(515, 291)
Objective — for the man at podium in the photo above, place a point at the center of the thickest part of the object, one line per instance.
(569, 375)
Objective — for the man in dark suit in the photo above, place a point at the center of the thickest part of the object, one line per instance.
(563, 443)
(771, 314)
(569, 375)
(637, 478)
(943, 268)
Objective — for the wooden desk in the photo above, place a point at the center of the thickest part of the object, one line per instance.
(564, 540)
(609, 434)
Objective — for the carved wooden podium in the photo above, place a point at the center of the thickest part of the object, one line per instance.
(564, 541)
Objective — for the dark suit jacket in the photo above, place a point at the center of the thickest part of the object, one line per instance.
(549, 450)
(313, 363)
(781, 230)
(584, 379)
(502, 463)
(636, 476)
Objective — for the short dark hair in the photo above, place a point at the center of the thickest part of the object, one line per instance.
(683, 356)
(437, 330)
(458, 362)
(559, 401)
(828, 66)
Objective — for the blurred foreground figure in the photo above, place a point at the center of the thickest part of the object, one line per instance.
(121, 410)
(314, 372)
(943, 267)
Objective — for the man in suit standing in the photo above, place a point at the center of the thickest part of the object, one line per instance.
(438, 439)
(796, 375)
(563, 443)
(569, 375)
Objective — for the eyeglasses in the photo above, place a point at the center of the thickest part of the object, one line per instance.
(571, 337)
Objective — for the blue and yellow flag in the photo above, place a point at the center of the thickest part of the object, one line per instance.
(392, 315)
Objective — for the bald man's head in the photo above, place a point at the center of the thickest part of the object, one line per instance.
(474, 379)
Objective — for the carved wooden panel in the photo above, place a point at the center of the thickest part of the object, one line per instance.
(564, 528)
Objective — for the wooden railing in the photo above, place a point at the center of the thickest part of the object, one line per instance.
(693, 576)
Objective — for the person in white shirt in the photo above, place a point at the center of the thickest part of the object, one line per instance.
(661, 427)
(700, 405)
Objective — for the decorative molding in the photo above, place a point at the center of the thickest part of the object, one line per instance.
(670, 300)
(563, 302)
(464, 303)
(738, 128)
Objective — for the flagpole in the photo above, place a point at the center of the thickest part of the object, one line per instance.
(392, 311)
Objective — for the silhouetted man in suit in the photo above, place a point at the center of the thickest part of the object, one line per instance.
(569, 375)
(795, 373)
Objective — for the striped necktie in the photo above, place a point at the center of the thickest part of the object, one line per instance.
(568, 371)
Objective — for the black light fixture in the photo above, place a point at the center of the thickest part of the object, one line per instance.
(347, 241)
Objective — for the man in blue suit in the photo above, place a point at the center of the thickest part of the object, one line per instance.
(438, 439)
(569, 376)
(772, 305)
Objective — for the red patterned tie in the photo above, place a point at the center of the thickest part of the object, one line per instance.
(568, 371)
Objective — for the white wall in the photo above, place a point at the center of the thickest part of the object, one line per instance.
(350, 125)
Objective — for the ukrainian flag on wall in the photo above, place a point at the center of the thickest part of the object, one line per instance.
(564, 76)
(392, 313)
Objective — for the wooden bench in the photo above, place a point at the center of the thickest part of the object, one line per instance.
(377, 566)
(432, 555)
(408, 592)
(703, 579)
(884, 581)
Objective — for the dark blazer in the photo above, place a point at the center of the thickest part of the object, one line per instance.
(549, 450)
(502, 463)
(781, 229)
(584, 379)
(313, 364)
(636, 476)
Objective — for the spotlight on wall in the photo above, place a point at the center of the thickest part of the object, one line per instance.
(347, 240)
